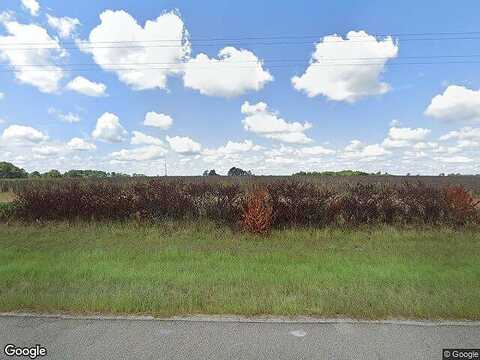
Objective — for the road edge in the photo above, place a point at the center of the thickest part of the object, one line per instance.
(244, 319)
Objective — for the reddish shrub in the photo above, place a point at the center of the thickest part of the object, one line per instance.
(461, 205)
(158, 200)
(420, 203)
(300, 204)
(257, 212)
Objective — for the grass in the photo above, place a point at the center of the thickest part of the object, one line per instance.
(192, 268)
(6, 197)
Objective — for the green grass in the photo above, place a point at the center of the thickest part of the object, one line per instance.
(6, 197)
(192, 268)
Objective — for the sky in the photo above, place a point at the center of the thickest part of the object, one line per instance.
(271, 87)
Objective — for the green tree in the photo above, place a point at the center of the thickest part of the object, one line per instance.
(53, 174)
(234, 171)
(10, 171)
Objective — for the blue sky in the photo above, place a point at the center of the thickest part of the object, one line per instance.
(304, 86)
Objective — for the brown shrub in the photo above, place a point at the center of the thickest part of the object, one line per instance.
(257, 212)
(460, 204)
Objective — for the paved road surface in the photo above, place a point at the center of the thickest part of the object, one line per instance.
(152, 339)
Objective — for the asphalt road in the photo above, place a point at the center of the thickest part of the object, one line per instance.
(164, 339)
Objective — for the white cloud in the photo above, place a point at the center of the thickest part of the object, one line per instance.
(121, 26)
(457, 103)
(20, 133)
(260, 120)
(184, 145)
(232, 148)
(465, 133)
(459, 159)
(68, 117)
(45, 81)
(403, 137)
(2, 95)
(161, 121)
(48, 150)
(358, 150)
(65, 26)
(234, 73)
(32, 6)
(140, 138)
(87, 87)
(336, 69)
(151, 152)
(109, 129)
(80, 144)
(316, 150)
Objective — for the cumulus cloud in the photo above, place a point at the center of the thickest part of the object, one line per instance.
(65, 26)
(151, 152)
(161, 121)
(184, 145)
(120, 26)
(457, 103)
(232, 148)
(336, 69)
(65, 117)
(2, 95)
(403, 137)
(87, 87)
(20, 133)
(45, 81)
(458, 159)
(465, 133)
(260, 120)
(79, 144)
(235, 72)
(32, 6)
(140, 138)
(47, 150)
(361, 151)
(109, 129)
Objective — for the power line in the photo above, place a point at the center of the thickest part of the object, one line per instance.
(89, 47)
(242, 38)
(244, 67)
(263, 61)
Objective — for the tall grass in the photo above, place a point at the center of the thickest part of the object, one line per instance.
(279, 205)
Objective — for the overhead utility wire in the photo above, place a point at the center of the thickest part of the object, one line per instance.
(244, 67)
(263, 61)
(250, 38)
(86, 47)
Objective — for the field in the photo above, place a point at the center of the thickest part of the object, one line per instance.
(254, 246)
(190, 268)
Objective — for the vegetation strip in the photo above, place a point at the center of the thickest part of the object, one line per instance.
(181, 268)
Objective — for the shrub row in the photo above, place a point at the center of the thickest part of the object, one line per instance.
(257, 208)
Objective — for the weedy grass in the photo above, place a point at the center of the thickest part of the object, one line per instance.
(193, 267)
(6, 197)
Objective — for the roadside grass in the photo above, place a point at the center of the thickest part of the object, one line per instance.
(180, 268)
(6, 197)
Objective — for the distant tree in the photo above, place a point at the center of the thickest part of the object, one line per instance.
(210, 173)
(53, 174)
(85, 173)
(10, 171)
(441, 174)
(35, 174)
(234, 171)
(138, 175)
(333, 173)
